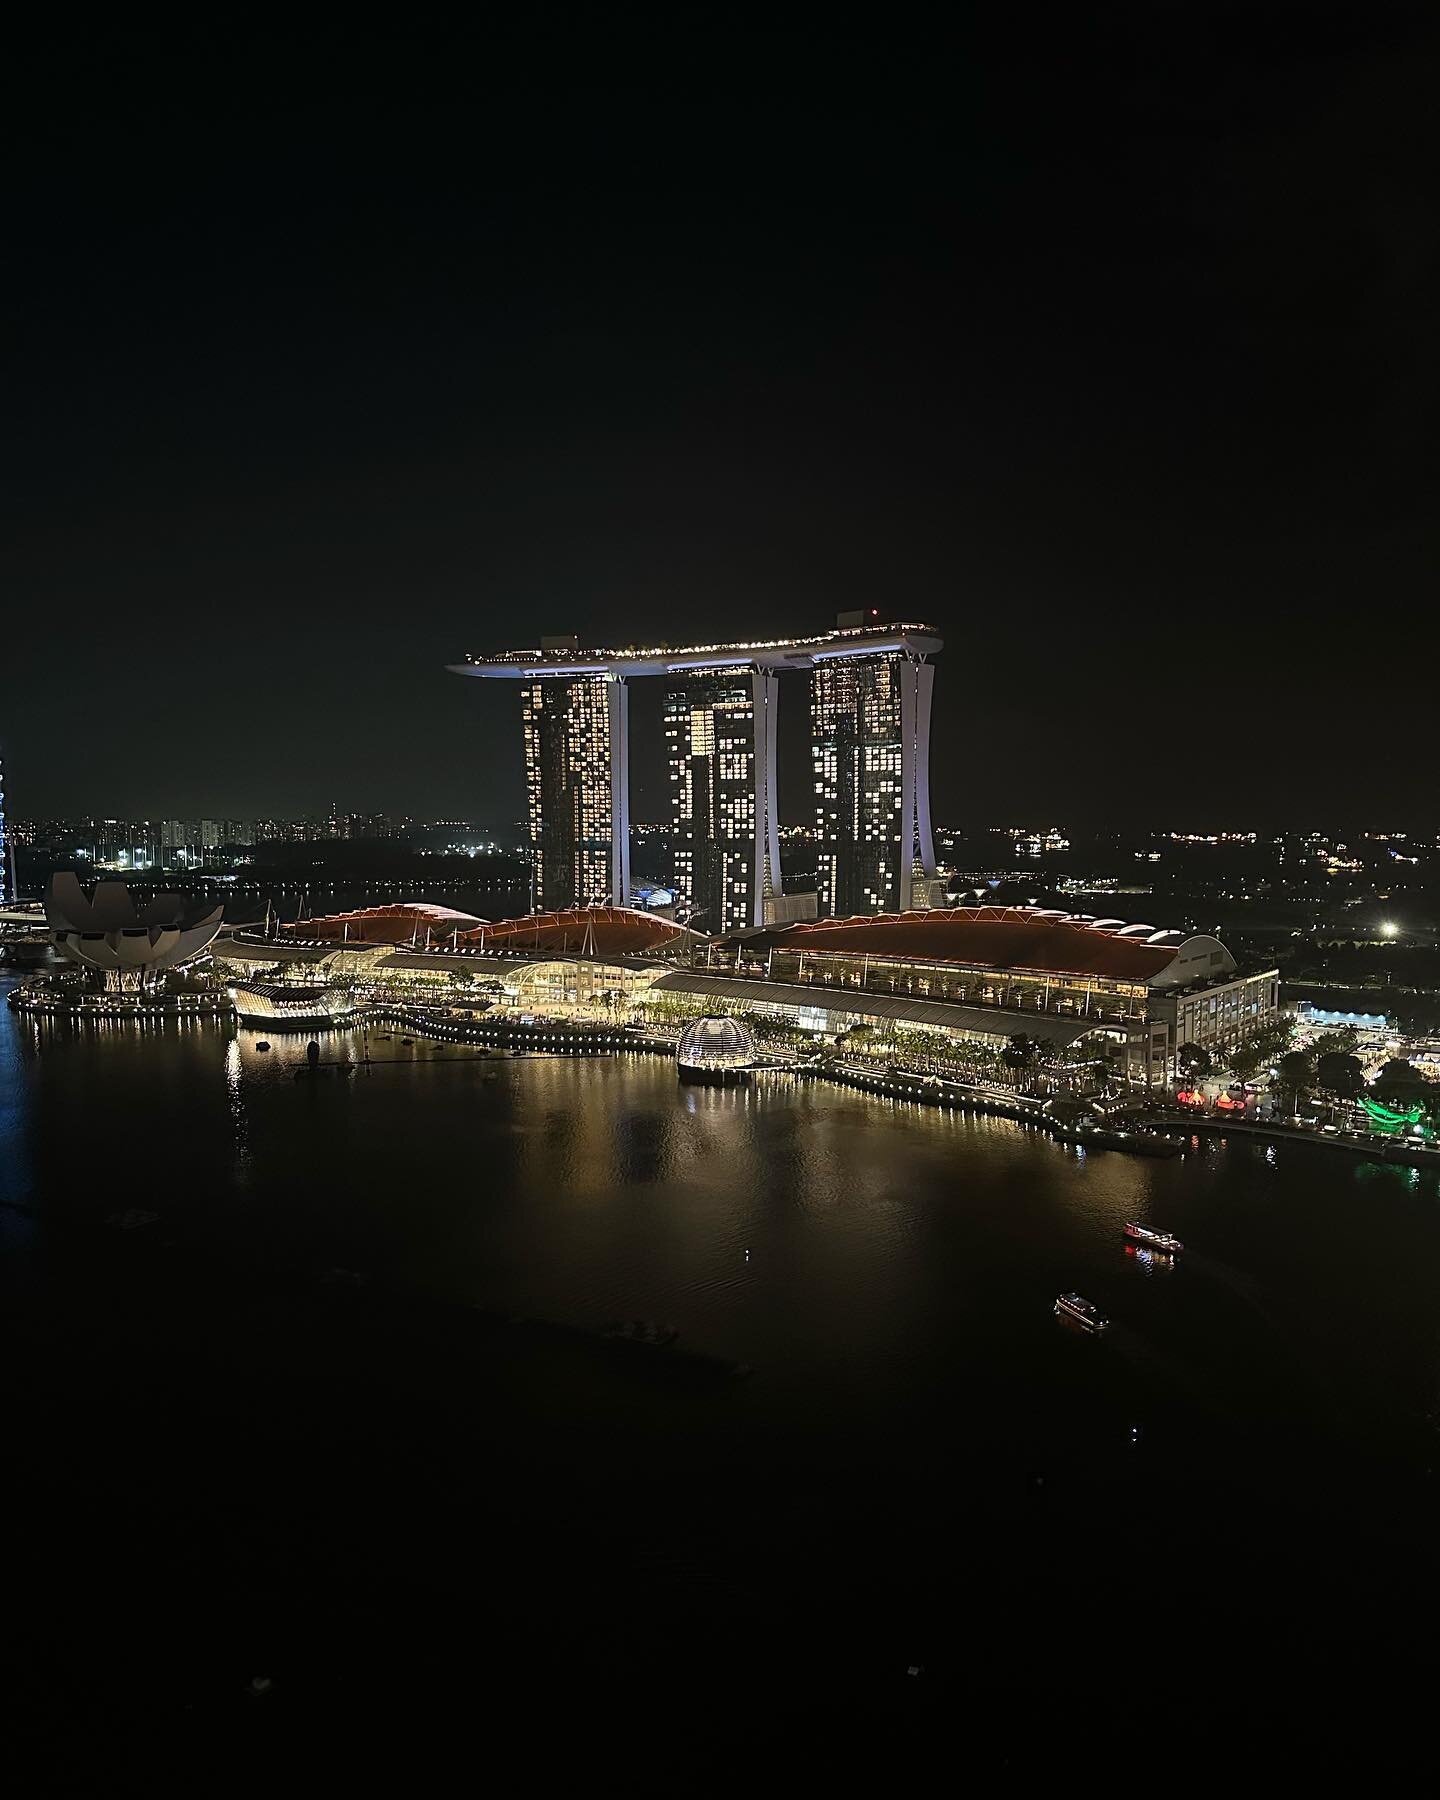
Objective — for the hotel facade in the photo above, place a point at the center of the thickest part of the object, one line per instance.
(710, 742)
(870, 746)
(575, 735)
(871, 688)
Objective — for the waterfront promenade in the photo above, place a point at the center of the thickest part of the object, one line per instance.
(1161, 1132)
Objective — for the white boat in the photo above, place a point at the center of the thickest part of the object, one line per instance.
(1081, 1311)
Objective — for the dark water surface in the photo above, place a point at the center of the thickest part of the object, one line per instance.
(293, 1428)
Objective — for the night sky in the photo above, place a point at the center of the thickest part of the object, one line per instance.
(1109, 346)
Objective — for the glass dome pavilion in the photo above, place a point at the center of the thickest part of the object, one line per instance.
(714, 1048)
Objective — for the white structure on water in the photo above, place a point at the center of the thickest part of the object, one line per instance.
(108, 933)
(714, 1048)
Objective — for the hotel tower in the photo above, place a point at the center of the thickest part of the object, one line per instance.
(575, 756)
(870, 742)
(723, 824)
(871, 688)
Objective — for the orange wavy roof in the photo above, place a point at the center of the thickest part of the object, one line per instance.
(598, 931)
(395, 924)
(981, 937)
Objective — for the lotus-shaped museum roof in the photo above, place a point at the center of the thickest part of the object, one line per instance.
(108, 931)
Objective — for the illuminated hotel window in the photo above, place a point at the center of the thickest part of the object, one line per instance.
(710, 735)
(568, 787)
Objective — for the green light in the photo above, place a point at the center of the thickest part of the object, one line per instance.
(1387, 1119)
(1386, 1115)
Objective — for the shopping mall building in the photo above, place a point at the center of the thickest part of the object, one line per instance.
(990, 972)
(979, 973)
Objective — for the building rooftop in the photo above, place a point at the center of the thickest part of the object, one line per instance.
(662, 659)
(405, 922)
(587, 931)
(1019, 938)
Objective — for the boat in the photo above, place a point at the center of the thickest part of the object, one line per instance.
(1150, 1143)
(1160, 1241)
(1137, 1141)
(1081, 1311)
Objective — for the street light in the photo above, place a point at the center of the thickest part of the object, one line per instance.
(1389, 929)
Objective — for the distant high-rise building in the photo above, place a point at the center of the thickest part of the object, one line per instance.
(871, 749)
(5, 884)
(577, 791)
(370, 825)
(184, 842)
(124, 843)
(710, 745)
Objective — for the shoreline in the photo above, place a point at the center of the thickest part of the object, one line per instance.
(566, 1037)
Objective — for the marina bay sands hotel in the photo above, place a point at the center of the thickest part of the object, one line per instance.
(870, 692)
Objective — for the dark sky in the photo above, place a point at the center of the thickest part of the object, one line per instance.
(1106, 344)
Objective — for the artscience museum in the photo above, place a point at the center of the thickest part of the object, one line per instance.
(128, 946)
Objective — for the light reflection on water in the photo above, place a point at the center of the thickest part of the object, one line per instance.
(1153, 1262)
(865, 1257)
(235, 1088)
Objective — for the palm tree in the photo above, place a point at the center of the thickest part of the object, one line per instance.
(1194, 1062)
(1019, 1055)
(1341, 1073)
(1295, 1072)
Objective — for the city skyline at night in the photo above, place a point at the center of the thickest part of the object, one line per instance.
(720, 896)
(1108, 377)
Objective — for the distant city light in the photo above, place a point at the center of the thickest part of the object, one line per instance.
(1389, 929)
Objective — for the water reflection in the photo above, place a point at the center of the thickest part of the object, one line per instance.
(233, 1069)
(16, 1175)
(1151, 1261)
(871, 1258)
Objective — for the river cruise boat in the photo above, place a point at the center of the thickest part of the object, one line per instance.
(1080, 1311)
(1160, 1242)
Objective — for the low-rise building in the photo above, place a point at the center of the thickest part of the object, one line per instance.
(1214, 1012)
(977, 975)
(1019, 969)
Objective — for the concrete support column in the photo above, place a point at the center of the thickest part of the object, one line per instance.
(765, 876)
(906, 847)
(924, 691)
(917, 687)
(619, 702)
